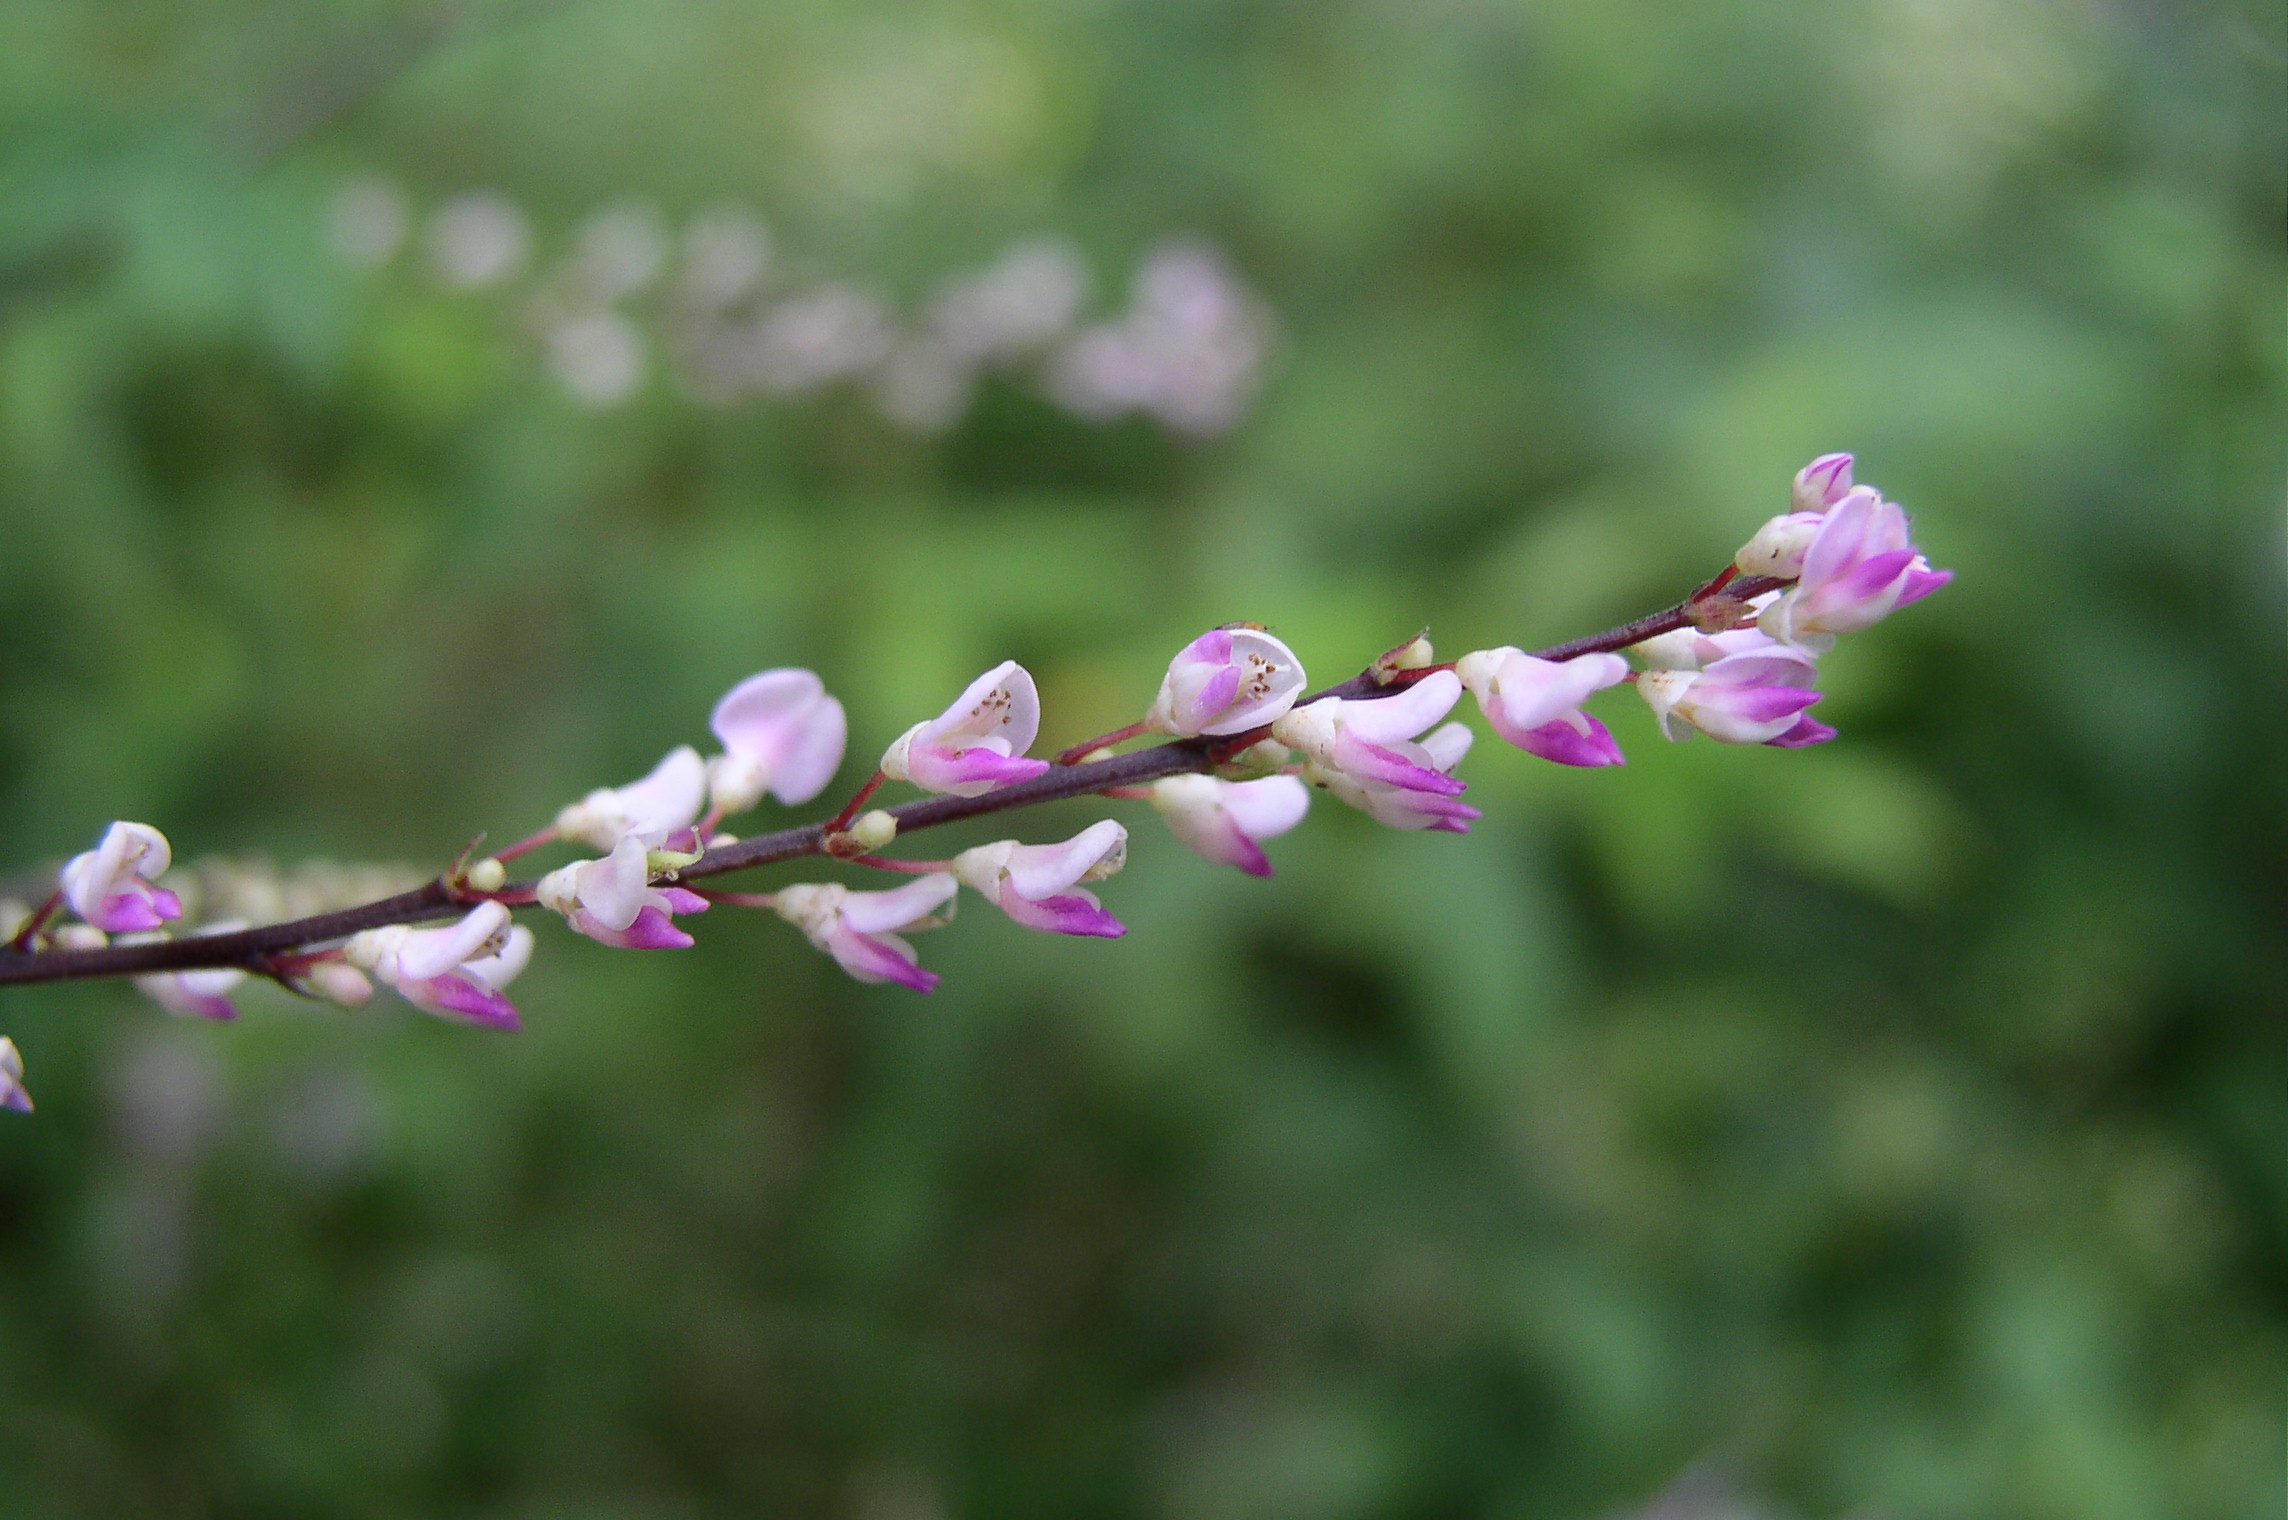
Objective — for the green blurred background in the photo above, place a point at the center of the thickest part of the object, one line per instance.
(1893, 1128)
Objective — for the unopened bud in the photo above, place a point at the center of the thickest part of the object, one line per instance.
(340, 983)
(874, 828)
(80, 937)
(487, 875)
(1414, 654)
(1262, 758)
(13, 916)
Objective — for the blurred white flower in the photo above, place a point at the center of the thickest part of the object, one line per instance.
(923, 386)
(725, 253)
(1023, 300)
(819, 336)
(367, 221)
(619, 250)
(599, 356)
(476, 240)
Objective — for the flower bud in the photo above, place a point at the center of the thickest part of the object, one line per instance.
(487, 875)
(80, 937)
(874, 828)
(339, 983)
(1780, 545)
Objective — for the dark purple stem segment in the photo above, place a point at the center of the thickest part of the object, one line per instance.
(253, 949)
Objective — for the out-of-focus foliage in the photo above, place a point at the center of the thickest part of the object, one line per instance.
(1898, 1121)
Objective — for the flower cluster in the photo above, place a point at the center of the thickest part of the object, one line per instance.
(1244, 748)
(1849, 554)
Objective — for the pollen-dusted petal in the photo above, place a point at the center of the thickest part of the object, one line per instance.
(1001, 703)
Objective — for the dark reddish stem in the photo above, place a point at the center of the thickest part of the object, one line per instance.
(1080, 752)
(909, 867)
(38, 921)
(850, 809)
(527, 845)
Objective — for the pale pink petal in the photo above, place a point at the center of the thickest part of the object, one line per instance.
(1385, 720)
(428, 953)
(816, 754)
(1039, 871)
(1266, 808)
(878, 912)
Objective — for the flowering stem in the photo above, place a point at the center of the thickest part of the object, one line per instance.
(527, 845)
(1080, 752)
(251, 948)
(909, 867)
(738, 899)
(38, 921)
(850, 809)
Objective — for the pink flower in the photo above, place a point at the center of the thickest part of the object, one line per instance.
(1779, 545)
(613, 902)
(976, 744)
(1752, 691)
(1404, 807)
(1370, 739)
(781, 734)
(1224, 821)
(1857, 569)
(12, 1093)
(1226, 681)
(455, 972)
(860, 929)
(111, 886)
(1037, 884)
(1536, 704)
(1822, 483)
(662, 804)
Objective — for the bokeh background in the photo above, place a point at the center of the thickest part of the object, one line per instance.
(412, 415)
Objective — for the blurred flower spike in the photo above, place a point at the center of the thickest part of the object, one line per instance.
(613, 902)
(655, 809)
(12, 1091)
(1227, 821)
(1038, 885)
(861, 929)
(1226, 682)
(1536, 704)
(978, 743)
(456, 972)
(781, 734)
(113, 885)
